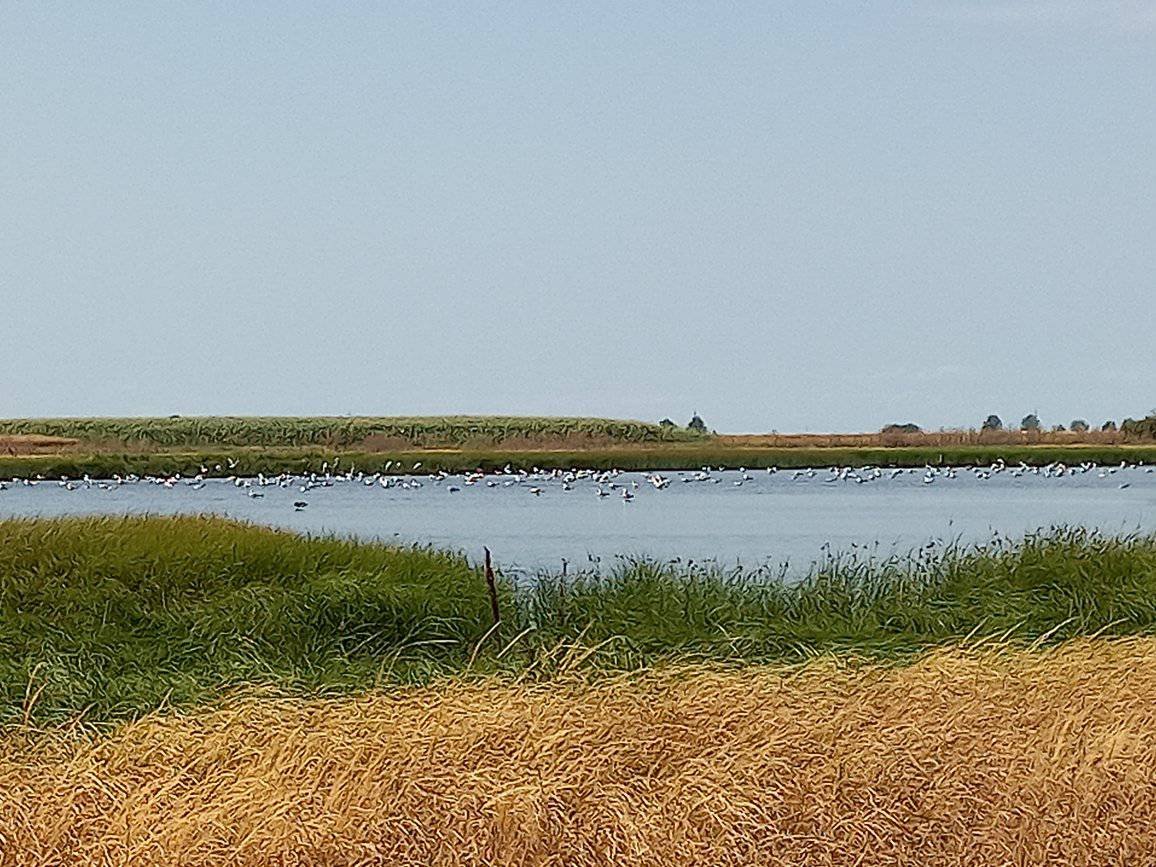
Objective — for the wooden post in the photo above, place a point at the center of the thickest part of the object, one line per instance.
(492, 586)
(562, 592)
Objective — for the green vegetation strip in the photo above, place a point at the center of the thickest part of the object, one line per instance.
(107, 618)
(335, 431)
(672, 456)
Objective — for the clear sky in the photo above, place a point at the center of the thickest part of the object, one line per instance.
(791, 216)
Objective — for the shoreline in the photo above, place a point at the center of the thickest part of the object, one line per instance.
(224, 462)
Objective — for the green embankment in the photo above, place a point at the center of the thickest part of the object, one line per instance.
(106, 618)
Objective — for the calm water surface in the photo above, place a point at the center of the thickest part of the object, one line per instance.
(760, 519)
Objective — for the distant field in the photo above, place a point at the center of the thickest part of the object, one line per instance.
(935, 439)
(364, 433)
(400, 433)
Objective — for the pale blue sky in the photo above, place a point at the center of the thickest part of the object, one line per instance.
(795, 216)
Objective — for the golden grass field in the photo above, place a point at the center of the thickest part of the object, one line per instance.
(965, 757)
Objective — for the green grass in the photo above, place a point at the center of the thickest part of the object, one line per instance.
(112, 617)
(665, 456)
(336, 432)
(119, 615)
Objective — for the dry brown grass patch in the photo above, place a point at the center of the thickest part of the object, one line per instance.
(32, 444)
(928, 439)
(963, 758)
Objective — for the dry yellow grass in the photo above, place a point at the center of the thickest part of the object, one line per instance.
(929, 439)
(963, 758)
(32, 444)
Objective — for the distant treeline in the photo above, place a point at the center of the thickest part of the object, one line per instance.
(1030, 425)
(1142, 428)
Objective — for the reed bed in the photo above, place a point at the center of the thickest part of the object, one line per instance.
(335, 432)
(970, 756)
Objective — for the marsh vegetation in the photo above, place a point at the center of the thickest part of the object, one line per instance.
(109, 618)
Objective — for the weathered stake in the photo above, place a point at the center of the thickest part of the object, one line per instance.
(562, 592)
(492, 586)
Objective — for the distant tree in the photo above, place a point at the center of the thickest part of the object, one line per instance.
(1108, 425)
(696, 424)
(907, 428)
(1058, 428)
(1144, 428)
(666, 422)
(993, 422)
(1078, 425)
(1031, 421)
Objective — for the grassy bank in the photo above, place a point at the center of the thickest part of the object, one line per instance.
(667, 456)
(966, 757)
(110, 618)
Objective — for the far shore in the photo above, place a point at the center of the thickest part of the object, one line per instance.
(222, 462)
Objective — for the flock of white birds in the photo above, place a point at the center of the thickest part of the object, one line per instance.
(604, 483)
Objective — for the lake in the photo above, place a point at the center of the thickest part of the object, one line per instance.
(532, 522)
